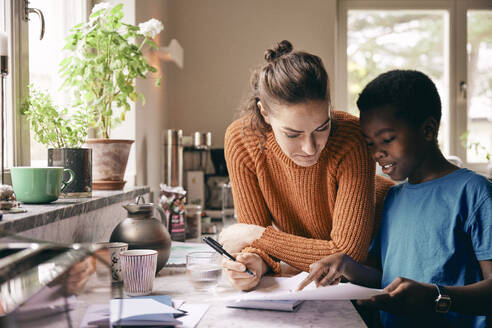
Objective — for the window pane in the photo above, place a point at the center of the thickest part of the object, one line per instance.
(45, 55)
(479, 49)
(381, 40)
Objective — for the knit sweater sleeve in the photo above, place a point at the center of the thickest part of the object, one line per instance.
(353, 217)
(249, 203)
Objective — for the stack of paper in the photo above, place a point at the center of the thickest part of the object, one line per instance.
(142, 312)
(153, 310)
(288, 306)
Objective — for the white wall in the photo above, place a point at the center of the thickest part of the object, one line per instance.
(151, 118)
(223, 40)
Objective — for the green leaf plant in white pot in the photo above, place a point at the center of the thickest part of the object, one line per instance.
(105, 57)
(63, 132)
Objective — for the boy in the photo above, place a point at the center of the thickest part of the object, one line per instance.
(434, 246)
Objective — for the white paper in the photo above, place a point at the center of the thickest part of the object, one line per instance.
(139, 309)
(195, 314)
(278, 288)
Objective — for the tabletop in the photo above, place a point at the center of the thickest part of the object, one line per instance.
(172, 281)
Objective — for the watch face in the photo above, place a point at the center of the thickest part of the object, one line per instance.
(443, 304)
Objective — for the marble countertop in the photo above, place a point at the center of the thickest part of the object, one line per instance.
(42, 214)
(172, 281)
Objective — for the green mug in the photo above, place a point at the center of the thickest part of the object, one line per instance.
(36, 185)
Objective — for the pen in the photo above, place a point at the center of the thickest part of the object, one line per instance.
(219, 249)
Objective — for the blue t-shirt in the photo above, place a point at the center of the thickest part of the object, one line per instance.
(436, 232)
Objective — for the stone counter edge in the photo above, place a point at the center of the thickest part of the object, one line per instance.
(43, 214)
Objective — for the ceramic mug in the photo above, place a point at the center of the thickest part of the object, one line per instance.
(138, 267)
(36, 185)
(110, 252)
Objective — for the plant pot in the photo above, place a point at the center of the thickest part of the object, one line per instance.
(79, 160)
(110, 157)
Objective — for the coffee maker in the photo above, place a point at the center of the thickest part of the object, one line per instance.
(215, 182)
(196, 165)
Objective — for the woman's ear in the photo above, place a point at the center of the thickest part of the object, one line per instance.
(263, 112)
(430, 128)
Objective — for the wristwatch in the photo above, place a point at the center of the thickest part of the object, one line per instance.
(443, 300)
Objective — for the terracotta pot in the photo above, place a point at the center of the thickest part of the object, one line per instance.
(109, 159)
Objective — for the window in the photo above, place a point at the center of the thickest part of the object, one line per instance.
(46, 54)
(448, 40)
(36, 61)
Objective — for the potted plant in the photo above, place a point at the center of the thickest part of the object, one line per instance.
(105, 58)
(64, 132)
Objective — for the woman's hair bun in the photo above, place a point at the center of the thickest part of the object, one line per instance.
(282, 48)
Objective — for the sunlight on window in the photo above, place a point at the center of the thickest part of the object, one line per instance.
(479, 50)
(381, 40)
(45, 55)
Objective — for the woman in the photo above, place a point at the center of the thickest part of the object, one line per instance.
(302, 178)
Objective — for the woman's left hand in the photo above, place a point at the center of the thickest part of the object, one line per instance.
(238, 236)
(404, 296)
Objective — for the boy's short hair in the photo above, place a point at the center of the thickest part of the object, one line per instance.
(412, 95)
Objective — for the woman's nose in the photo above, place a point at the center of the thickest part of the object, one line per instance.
(309, 146)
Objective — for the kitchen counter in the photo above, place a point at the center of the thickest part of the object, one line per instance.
(71, 220)
(172, 281)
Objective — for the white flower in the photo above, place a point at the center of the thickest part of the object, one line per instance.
(151, 28)
(101, 6)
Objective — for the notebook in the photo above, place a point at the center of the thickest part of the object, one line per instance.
(289, 305)
(155, 310)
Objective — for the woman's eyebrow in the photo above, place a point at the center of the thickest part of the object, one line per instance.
(297, 131)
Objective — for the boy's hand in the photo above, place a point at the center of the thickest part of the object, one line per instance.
(404, 296)
(327, 271)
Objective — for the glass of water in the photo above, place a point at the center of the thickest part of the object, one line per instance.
(203, 269)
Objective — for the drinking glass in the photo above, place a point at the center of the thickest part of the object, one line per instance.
(203, 269)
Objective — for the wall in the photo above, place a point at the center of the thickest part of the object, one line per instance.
(152, 117)
(223, 40)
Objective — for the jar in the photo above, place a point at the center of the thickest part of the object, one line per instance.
(193, 221)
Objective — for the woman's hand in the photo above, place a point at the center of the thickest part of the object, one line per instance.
(237, 275)
(404, 296)
(238, 236)
(327, 271)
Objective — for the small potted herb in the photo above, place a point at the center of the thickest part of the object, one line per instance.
(63, 132)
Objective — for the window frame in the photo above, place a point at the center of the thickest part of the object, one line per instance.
(18, 30)
(456, 58)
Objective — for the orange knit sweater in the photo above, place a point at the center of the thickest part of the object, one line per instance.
(309, 212)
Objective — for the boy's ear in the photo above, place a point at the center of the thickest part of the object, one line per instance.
(430, 128)
(263, 112)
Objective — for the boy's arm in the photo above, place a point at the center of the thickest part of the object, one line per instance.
(405, 296)
(331, 269)
(475, 298)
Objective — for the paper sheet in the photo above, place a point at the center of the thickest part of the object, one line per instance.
(195, 314)
(278, 288)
